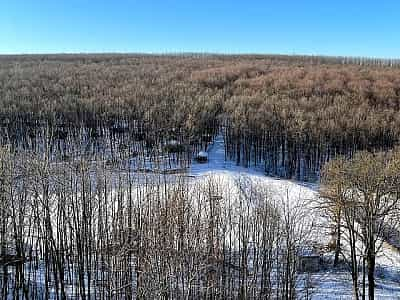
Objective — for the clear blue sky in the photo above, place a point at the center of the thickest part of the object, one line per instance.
(330, 27)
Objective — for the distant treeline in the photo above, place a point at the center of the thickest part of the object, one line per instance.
(286, 114)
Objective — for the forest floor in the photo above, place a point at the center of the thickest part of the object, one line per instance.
(329, 283)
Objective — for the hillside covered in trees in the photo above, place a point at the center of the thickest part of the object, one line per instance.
(285, 114)
(144, 176)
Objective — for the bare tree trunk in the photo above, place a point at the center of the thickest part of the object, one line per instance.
(338, 238)
(371, 274)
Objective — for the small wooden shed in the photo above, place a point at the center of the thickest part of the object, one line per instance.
(202, 157)
(309, 261)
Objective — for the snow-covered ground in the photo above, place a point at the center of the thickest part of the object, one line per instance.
(327, 284)
(217, 164)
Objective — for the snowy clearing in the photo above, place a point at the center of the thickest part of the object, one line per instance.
(328, 284)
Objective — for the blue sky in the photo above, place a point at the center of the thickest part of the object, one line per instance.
(352, 27)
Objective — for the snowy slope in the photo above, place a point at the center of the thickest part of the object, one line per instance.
(328, 284)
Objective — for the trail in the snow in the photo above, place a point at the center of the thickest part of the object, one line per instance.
(218, 164)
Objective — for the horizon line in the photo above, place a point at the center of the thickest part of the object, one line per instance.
(188, 53)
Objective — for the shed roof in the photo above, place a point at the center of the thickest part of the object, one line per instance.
(202, 154)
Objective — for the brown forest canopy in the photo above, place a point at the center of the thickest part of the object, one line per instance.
(339, 104)
(188, 89)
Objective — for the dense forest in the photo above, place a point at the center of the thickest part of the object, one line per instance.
(97, 200)
(285, 114)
